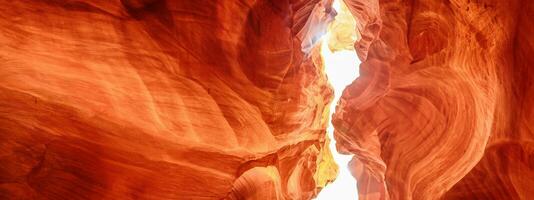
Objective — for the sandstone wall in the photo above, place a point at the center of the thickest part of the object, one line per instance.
(444, 104)
(154, 99)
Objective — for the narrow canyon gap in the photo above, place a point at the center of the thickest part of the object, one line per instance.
(168, 99)
(341, 66)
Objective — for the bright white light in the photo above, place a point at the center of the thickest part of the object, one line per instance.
(341, 68)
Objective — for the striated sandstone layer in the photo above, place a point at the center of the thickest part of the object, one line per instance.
(155, 99)
(444, 105)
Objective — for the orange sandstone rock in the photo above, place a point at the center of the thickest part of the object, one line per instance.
(444, 104)
(154, 99)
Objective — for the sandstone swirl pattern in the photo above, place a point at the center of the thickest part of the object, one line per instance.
(154, 99)
(444, 104)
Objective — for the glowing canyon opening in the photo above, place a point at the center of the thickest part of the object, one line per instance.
(233, 99)
(341, 68)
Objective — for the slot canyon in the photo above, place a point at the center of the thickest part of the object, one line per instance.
(233, 99)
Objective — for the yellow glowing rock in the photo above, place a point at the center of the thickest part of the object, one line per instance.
(342, 30)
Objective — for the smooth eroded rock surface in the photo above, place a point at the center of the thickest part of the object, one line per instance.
(154, 99)
(444, 105)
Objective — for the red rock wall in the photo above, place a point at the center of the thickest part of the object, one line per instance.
(444, 105)
(153, 99)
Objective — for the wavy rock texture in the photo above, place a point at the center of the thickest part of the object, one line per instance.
(153, 99)
(444, 105)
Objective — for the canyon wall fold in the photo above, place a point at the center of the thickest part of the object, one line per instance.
(444, 104)
(154, 99)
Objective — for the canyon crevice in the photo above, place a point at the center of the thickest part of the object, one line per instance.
(162, 99)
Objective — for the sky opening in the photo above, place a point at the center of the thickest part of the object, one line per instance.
(341, 67)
